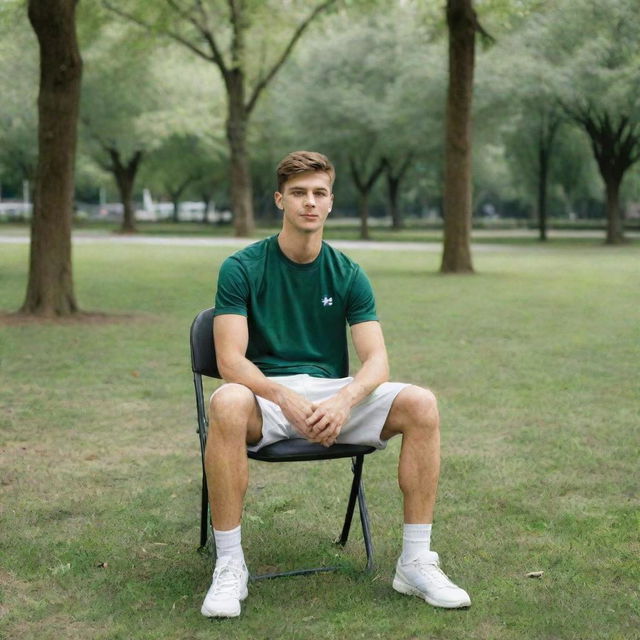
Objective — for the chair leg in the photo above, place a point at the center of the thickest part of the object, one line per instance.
(357, 491)
(366, 527)
(356, 467)
(204, 513)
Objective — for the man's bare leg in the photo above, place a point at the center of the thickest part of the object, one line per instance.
(414, 414)
(234, 421)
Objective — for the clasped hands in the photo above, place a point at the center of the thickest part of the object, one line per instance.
(317, 422)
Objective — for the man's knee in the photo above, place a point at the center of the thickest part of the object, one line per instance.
(416, 409)
(232, 402)
(422, 403)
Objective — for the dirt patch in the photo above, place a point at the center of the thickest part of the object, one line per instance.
(81, 317)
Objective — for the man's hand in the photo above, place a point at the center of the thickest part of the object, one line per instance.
(328, 418)
(297, 410)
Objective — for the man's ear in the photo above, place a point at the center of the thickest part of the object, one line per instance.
(277, 198)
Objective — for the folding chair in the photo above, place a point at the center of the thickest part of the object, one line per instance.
(203, 363)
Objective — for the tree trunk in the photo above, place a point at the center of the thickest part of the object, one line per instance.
(461, 21)
(393, 187)
(175, 200)
(206, 201)
(125, 177)
(363, 212)
(615, 231)
(549, 124)
(364, 186)
(125, 189)
(543, 170)
(176, 194)
(241, 188)
(50, 285)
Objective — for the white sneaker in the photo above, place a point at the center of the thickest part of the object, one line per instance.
(228, 588)
(423, 577)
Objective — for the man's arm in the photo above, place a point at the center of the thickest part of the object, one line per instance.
(330, 415)
(231, 336)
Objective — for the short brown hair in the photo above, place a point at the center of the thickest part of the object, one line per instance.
(300, 162)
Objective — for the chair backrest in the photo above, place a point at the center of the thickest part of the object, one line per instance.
(203, 352)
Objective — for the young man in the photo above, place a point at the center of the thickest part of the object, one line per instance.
(282, 307)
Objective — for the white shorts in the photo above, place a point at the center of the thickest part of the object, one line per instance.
(365, 422)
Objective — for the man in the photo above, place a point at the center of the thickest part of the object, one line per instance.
(282, 305)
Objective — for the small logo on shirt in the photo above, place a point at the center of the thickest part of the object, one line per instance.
(326, 301)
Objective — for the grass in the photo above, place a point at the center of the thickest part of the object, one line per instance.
(534, 361)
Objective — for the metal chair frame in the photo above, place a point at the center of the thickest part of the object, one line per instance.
(203, 363)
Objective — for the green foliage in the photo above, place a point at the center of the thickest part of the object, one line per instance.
(368, 80)
(18, 109)
(589, 53)
(361, 103)
(132, 99)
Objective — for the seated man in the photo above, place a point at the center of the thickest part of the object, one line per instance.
(282, 307)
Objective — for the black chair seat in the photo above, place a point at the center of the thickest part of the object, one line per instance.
(299, 450)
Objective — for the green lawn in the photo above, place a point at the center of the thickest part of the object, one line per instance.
(535, 363)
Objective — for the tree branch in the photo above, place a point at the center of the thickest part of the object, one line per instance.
(237, 43)
(364, 186)
(262, 84)
(100, 141)
(207, 34)
(355, 173)
(374, 175)
(388, 165)
(149, 27)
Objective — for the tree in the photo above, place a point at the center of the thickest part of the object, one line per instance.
(133, 101)
(50, 286)
(531, 146)
(574, 171)
(181, 161)
(232, 35)
(592, 61)
(374, 112)
(514, 101)
(462, 24)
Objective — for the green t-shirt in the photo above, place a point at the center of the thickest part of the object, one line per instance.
(296, 313)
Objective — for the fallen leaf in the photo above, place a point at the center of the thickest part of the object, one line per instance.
(535, 574)
(102, 565)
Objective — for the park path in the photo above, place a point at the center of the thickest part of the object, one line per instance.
(93, 237)
(88, 237)
(83, 238)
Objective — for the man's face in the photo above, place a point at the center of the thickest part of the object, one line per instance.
(306, 200)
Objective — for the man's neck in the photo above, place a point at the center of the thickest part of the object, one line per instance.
(301, 248)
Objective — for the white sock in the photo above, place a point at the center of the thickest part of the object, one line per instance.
(229, 543)
(416, 539)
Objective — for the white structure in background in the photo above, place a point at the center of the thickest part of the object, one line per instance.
(15, 208)
(148, 211)
(188, 211)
